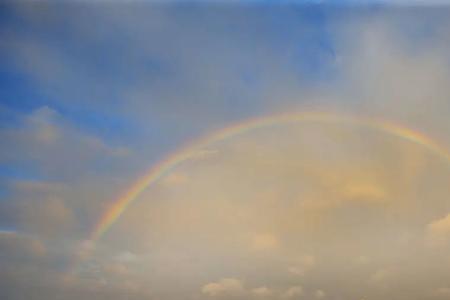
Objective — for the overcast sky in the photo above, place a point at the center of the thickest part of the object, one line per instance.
(93, 94)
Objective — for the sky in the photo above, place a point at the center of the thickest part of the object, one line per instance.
(225, 150)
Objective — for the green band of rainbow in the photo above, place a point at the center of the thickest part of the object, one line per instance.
(120, 205)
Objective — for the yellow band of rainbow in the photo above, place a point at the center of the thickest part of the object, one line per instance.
(119, 206)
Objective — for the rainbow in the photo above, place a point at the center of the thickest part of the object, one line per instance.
(119, 206)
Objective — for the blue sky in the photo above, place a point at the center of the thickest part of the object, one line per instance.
(92, 94)
(99, 79)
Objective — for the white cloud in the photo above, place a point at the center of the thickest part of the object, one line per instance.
(439, 230)
(302, 264)
(21, 246)
(265, 242)
(442, 292)
(362, 260)
(294, 292)
(232, 287)
(127, 257)
(225, 286)
(319, 294)
(382, 277)
(262, 291)
(45, 140)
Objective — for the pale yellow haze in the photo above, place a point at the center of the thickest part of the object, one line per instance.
(288, 211)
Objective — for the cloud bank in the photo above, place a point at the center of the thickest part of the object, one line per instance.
(94, 94)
